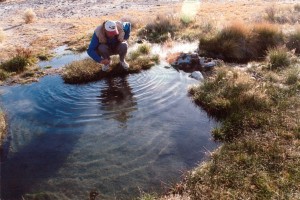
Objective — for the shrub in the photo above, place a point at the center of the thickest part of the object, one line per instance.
(2, 35)
(278, 58)
(160, 29)
(294, 41)
(81, 71)
(29, 16)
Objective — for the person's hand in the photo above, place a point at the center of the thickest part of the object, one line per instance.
(106, 62)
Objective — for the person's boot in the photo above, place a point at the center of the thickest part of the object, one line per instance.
(125, 65)
(105, 68)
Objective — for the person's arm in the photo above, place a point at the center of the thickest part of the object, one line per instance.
(93, 48)
(127, 30)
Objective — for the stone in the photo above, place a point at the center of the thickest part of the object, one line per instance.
(197, 75)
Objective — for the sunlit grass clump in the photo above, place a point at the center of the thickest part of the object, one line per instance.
(160, 29)
(88, 70)
(278, 58)
(18, 63)
(241, 43)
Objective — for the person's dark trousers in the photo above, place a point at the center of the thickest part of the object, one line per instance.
(121, 49)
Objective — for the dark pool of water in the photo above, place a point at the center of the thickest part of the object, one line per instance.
(118, 136)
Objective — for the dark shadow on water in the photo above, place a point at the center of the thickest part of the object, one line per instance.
(37, 161)
(117, 99)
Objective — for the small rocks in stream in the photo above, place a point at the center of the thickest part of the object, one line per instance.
(200, 67)
(190, 62)
(197, 75)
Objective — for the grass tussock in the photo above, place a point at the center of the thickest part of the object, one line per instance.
(29, 16)
(293, 41)
(231, 95)
(19, 62)
(260, 130)
(88, 70)
(2, 35)
(241, 43)
(278, 58)
(160, 29)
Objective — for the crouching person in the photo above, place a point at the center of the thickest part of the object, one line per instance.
(110, 38)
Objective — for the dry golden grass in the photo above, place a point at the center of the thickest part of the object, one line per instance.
(2, 126)
(241, 43)
(29, 16)
(2, 35)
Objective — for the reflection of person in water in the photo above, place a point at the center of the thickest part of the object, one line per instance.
(117, 98)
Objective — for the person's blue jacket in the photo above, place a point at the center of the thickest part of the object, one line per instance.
(98, 38)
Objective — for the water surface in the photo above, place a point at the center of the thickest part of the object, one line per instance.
(118, 136)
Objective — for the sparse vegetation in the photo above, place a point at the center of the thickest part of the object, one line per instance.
(88, 70)
(239, 43)
(284, 15)
(2, 35)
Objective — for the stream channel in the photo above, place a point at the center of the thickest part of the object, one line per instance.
(119, 136)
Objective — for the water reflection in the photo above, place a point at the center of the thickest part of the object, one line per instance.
(118, 100)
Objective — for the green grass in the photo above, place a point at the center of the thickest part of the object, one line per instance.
(3, 75)
(16, 64)
(259, 158)
(278, 58)
(88, 70)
